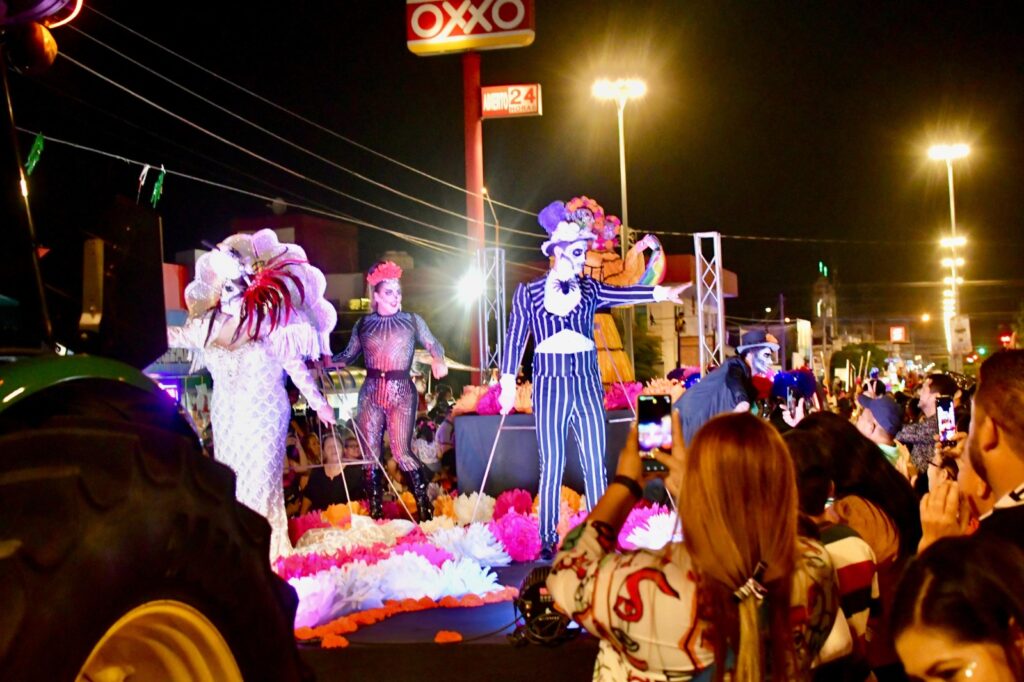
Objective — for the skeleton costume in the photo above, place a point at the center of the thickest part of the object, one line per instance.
(567, 389)
(388, 397)
(283, 320)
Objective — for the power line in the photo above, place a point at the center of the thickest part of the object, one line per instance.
(299, 117)
(282, 139)
(255, 155)
(419, 241)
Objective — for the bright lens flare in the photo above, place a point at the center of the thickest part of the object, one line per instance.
(948, 152)
(949, 262)
(620, 90)
(471, 286)
(950, 242)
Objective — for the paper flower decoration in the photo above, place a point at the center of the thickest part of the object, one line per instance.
(519, 534)
(516, 499)
(465, 504)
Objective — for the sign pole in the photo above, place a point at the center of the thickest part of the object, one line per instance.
(474, 177)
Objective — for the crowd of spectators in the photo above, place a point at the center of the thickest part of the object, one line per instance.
(843, 543)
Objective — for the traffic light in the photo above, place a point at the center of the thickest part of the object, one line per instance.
(982, 350)
(822, 268)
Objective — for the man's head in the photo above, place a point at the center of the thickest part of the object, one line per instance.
(757, 348)
(995, 443)
(934, 386)
(881, 419)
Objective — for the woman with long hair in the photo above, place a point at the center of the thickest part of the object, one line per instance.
(877, 502)
(693, 608)
(959, 612)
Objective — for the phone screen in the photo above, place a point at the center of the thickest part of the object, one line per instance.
(947, 420)
(654, 428)
(791, 399)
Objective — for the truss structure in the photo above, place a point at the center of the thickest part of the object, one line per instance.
(491, 318)
(707, 251)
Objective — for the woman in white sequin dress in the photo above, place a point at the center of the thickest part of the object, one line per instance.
(256, 311)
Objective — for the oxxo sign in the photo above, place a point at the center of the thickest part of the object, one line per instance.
(440, 26)
(505, 101)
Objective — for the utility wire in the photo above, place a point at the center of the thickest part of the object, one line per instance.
(260, 157)
(299, 117)
(282, 139)
(249, 152)
(419, 241)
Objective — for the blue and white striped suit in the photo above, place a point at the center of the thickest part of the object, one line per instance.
(567, 388)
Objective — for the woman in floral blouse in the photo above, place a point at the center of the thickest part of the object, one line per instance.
(743, 595)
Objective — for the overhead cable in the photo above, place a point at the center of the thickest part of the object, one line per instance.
(299, 117)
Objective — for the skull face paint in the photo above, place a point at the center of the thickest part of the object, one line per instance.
(231, 298)
(570, 259)
(761, 361)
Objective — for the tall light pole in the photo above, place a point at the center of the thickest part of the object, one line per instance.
(621, 91)
(950, 153)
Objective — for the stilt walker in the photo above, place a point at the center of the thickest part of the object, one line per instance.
(558, 309)
(387, 338)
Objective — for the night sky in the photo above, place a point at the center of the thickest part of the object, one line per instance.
(806, 121)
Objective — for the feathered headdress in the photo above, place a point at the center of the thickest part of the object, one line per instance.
(567, 223)
(382, 271)
(278, 283)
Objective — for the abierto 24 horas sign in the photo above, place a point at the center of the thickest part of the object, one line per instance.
(446, 26)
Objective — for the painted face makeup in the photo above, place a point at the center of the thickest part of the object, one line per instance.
(388, 297)
(231, 298)
(570, 259)
(762, 363)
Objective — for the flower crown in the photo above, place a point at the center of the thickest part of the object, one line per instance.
(386, 270)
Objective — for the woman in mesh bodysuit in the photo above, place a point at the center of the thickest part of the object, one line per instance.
(387, 338)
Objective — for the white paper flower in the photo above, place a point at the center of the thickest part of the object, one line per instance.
(465, 504)
(475, 542)
(464, 576)
(437, 523)
(656, 532)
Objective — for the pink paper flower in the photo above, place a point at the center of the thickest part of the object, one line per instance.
(615, 398)
(516, 499)
(519, 534)
(298, 526)
(489, 402)
(432, 553)
(638, 517)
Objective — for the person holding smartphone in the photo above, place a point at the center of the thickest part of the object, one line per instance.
(678, 612)
(920, 437)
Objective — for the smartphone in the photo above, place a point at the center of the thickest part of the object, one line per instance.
(947, 420)
(654, 428)
(791, 399)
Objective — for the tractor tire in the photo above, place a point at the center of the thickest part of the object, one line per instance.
(103, 515)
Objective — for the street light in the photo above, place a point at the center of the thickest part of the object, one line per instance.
(621, 91)
(950, 153)
(925, 317)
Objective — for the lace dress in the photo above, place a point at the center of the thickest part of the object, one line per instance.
(250, 410)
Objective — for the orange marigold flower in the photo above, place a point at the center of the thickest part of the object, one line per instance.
(334, 642)
(447, 637)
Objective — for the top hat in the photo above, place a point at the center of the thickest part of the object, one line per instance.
(756, 338)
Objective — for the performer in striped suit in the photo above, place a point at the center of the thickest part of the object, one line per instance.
(558, 309)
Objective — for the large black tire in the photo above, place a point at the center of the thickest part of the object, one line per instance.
(101, 513)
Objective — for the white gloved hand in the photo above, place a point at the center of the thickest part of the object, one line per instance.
(507, 397)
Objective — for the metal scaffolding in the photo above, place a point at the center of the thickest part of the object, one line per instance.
(710, 303)
(491, 318)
